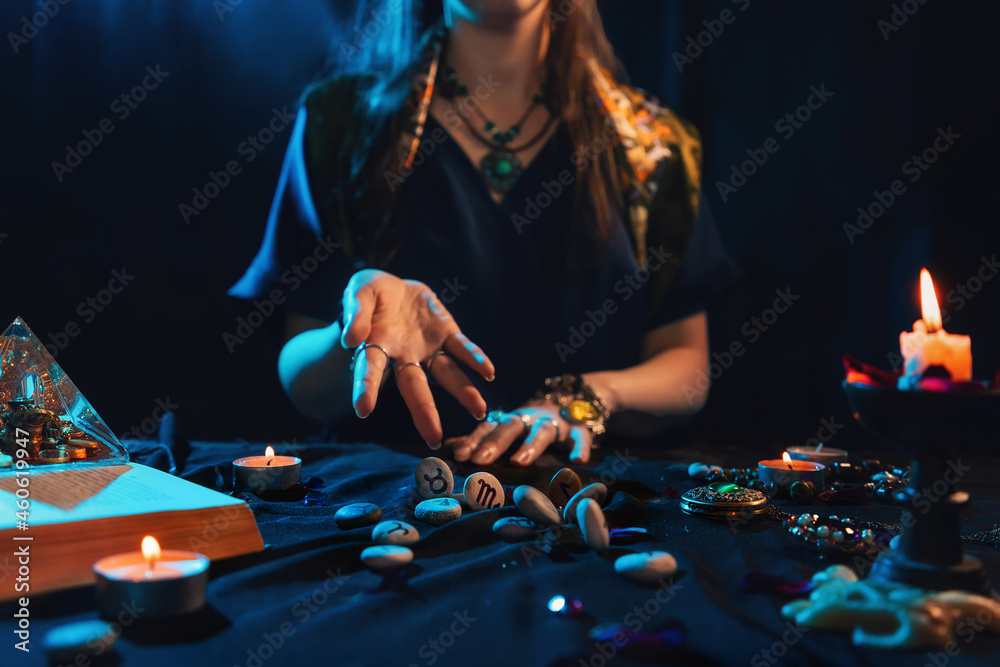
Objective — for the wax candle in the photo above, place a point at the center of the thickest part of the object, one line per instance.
(930, 345)
(266, 473)
(784, 471)
(822, 454)
(6, 460)
(159, 582)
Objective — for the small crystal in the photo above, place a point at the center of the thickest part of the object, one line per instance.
(838, 536)
(805, 519)
(823, 531)
(868, 536)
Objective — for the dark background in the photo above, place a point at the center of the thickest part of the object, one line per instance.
(161, 338)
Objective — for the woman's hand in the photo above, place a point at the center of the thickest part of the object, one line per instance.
(538, 424)
(408, 322)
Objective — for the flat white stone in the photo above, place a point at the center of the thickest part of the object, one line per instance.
(483, 491)
(647, 568)
(438, 511)
(394, 532)
(536, 506)
(564, 486)
(89, 639)
(593, 524)
(701, 470)
(434, 478)
(597, 491)
(386, 556)
(357, 515)
(514, 529)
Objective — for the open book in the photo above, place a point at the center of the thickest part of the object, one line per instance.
(76, 516)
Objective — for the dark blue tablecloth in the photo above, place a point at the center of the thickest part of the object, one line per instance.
(470, 599)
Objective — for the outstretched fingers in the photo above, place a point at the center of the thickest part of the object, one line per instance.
(412, 383)
(461, 348)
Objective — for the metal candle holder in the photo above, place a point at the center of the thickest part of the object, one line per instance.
(934, 426)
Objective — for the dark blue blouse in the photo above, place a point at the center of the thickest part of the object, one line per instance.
(521, 278)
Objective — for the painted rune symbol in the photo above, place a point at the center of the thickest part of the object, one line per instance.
(439, 478)
(487, 494)
(399, 527)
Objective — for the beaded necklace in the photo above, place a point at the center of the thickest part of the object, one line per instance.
(501, 167)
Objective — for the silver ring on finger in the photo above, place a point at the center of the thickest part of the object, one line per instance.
(429, 362)
(401, 367)
(364, 346)
(555, 424)
(511, 417)
(526, 421)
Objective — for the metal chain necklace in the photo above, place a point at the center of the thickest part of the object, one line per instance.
(501, 167)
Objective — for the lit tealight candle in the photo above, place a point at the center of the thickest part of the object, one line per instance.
(930, 345)
(821, 454)
(784, 471)
(266, 473)
(160, 582)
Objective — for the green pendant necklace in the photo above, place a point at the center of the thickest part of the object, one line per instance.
(501, 167)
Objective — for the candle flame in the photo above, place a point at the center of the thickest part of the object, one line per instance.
(929, 309)
(150, 549)
(269, 452)
(787, 459)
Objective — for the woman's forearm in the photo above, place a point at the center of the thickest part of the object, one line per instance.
(315, 372)
(663, 385)
(650, 396)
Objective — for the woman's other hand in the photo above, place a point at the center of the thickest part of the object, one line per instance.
(537, 425)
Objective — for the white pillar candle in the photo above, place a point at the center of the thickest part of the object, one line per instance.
(930, 345)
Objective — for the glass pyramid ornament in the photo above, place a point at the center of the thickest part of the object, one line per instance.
(43, 412)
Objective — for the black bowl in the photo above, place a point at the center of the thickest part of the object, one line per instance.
(926, 420)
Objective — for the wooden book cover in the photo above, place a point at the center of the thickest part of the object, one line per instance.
(55, 525)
